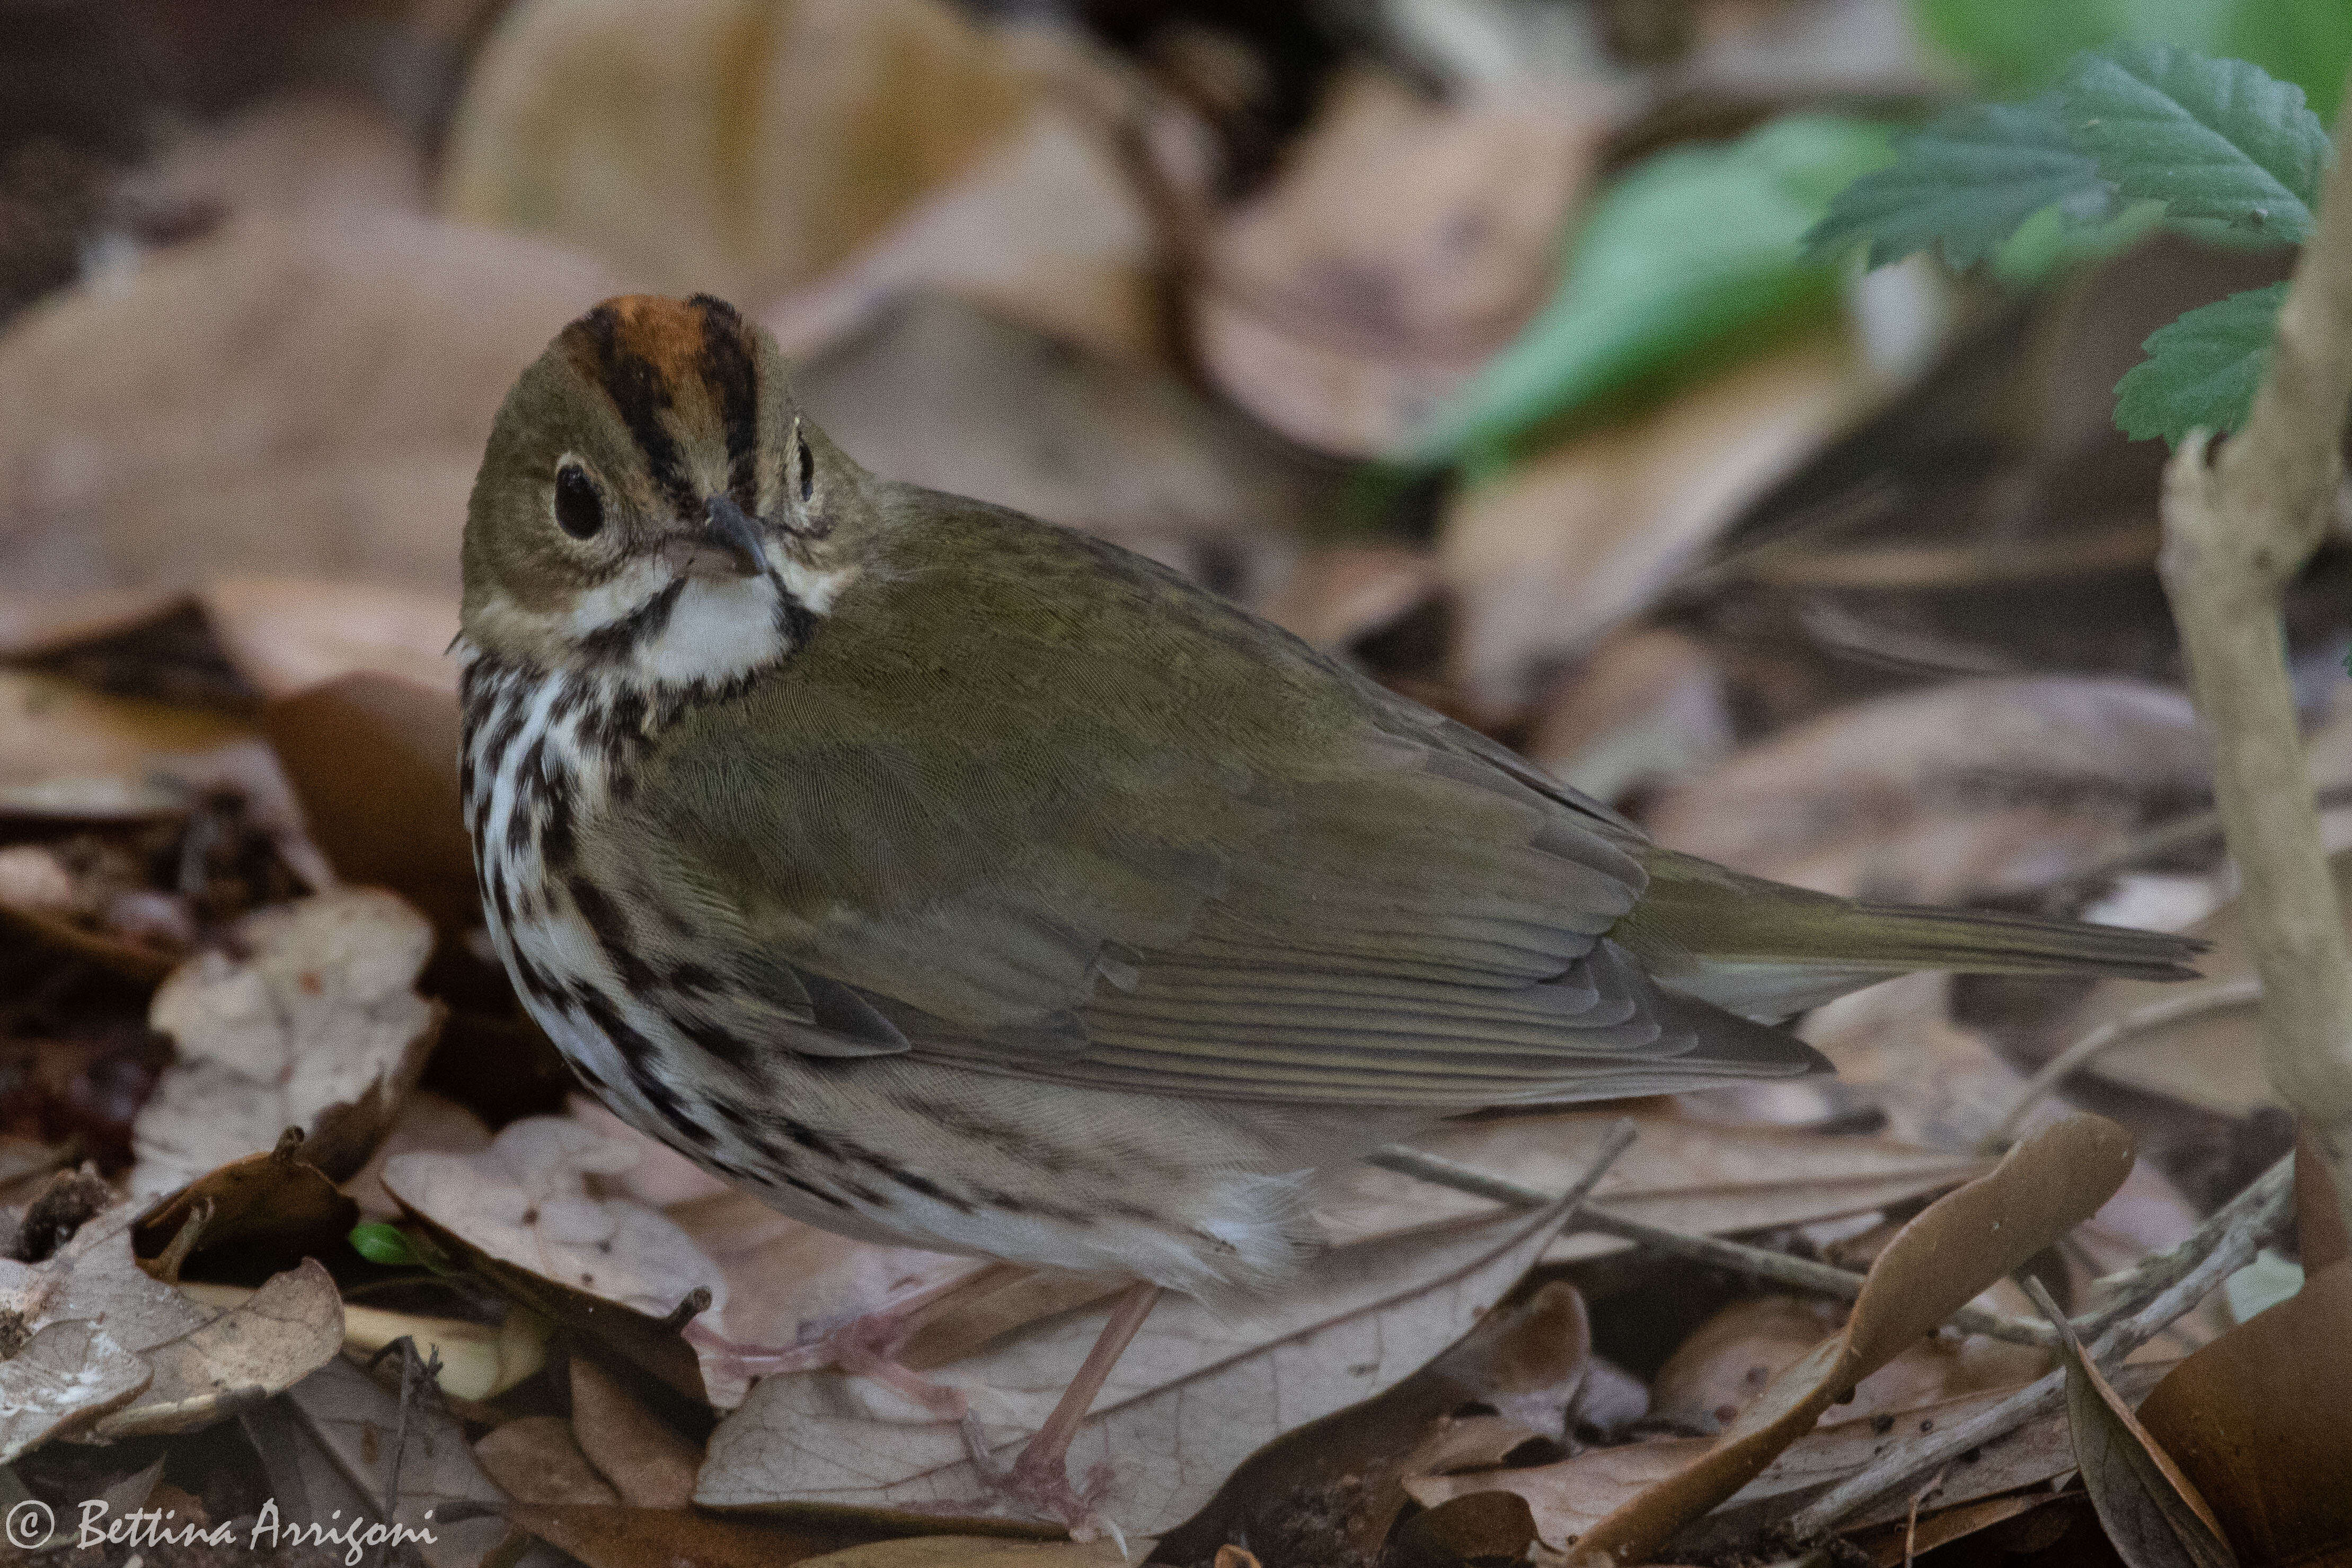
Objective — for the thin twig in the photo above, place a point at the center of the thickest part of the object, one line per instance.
(1759, 1262)
(2225, 1244)
(2075, 1056)
(2236, 532)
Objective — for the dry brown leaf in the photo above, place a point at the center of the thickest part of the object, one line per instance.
(535, 1460)
(1570, 545)
(938, 392)
(1647, 708)
(1957, 1246)
(202, 418)
(254, 1217)
(58, 1378)
(368, 1435)
(1680, 1172)
(1196, 1393)
(1930, 795)
(288, 635)
(2152, 1513)
(68, 751)
(985, 1552)
(648, 1464)
(1729, 1360)
(478, 1361)
(727, 145)
(429, 1120)
(1403, 243)
(319, 1027)
(621, 1537)
(373, 758)
(287, 1330)
(1339, 593)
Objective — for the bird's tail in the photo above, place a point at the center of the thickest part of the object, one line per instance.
(1766, 950)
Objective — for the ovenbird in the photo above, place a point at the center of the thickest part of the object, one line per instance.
(956, 880)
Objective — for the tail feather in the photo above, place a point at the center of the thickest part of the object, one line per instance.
(1766, 950)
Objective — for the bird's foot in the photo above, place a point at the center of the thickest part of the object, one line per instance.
(863, 1347)
(1037, 1483)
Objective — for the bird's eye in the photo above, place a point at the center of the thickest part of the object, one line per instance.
(579, 509)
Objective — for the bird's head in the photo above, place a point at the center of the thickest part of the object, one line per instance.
(653, 504)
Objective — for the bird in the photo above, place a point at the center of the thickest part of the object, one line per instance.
(954, 879)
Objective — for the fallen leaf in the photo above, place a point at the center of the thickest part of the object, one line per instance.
(723, 145)
(1483, 1527)
(254, 1217)
(1563, 548)
(287, 1330)
(982, 1551)
(533, 1459)
(478, 1361)
(1646, 708)
(291, 153)
(68, 751)
(428, 1122)
(1956, 1247)
(319, 1027)
(2152, 1512)
(373, 758)
(938, 392)
(1196, 1393)
(1930, 795)
(647, 1463)
(199, 417)
(1402, 243)
(288, 635)
(58, 1378)
(370, 1438)
(1339, 593)
(621, 1537)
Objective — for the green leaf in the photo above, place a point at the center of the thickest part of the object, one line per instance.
(2306, 42)
(2216, 140)
(2201, 368)
(1689, 247)
(1965, 182)
(2020, 46)
(385, 1244)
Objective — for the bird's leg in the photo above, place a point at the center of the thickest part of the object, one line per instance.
(1039, 1479)
(865, 1347)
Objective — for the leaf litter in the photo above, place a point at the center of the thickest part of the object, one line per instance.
(1145, 279)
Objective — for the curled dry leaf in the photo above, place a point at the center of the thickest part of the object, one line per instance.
(319, 1027)
(199, 418)
(287, 1330)
(71, 752)
(624, 1537)
(373, 758)
(1194, 1395)
(288, 635)
(58, 1378)
(1680, 1172)
(650, 1465)
(939, 393)
(1404, 241)
(534, 1461)
(372, 1436)
(478, 1361)
(525, 1204)
(1568, 546)
(1957, 1246)
(428, 1122)
(249, 1218)
(1930, 795)
(738, 148)
(2152, 1512)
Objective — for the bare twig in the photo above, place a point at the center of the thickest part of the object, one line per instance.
(2158, 1293)
(2236, 531)
(2075, 1056)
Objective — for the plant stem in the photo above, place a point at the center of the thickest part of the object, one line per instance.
(2236, 531)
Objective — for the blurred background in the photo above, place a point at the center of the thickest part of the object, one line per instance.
(1471, 338)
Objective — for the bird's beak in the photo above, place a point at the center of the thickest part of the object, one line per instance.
(729, 545)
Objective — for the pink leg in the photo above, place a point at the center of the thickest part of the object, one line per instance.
(1039, 1480)
(865, 1347)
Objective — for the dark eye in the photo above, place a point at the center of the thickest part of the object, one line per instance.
(579, 509)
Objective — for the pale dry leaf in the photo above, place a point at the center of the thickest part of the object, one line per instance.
(1196, 1393)
(660, 1175)
(478, 1361)
(741, 147)
(1940, 1086)
(297, 152)
(1680, 1172)
(987, 1551)
(1929, 796)
(319, 1027)
(360, 1427)
(59, 1377)
(287, 1330)
(288, 635)
(1047, 229)
(1956, 1247)
(533, 1459)
(526, 1200)
(939, 393)
(428, 1122)
(1402, 243)
(1338, 593)
(35, 623)
(201, 418)
(67, 750)
(647, 1464)
(1645, 707)
(1573, 543)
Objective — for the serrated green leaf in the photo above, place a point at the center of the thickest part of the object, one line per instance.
(2216, 140)
(1965, 182)
(2020, 46)
(2306, 42)
(2201, 370)
(1692, 244)
(385, 1244)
